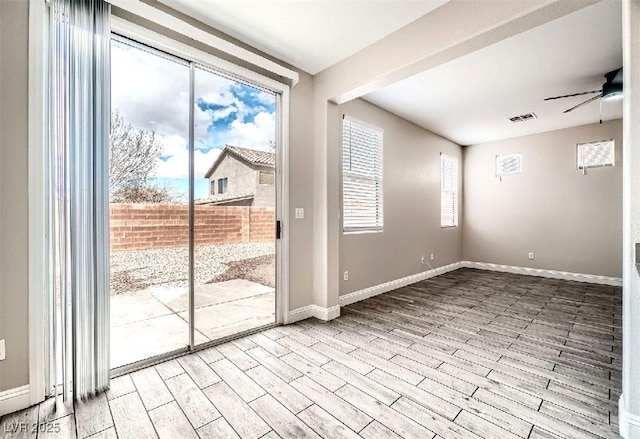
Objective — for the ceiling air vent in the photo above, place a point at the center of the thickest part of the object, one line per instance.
(523, 117)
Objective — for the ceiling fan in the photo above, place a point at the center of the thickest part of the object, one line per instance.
(611, 91)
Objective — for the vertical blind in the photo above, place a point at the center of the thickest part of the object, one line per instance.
(362, 208)
(596, 154)
(79, 124)
(448, 191)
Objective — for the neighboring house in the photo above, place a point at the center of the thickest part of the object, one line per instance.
(242, 177)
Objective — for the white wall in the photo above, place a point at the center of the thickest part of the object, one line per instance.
(571, 222)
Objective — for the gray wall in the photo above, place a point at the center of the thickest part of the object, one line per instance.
(572, 222)
(411, 190)
(244, 179)
(265, 193)
(241, 177)
(301, 194)
(14, 322)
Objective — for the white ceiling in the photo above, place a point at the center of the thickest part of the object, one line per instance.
(470, 100)
(309, 34)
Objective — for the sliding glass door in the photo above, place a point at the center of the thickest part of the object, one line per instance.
(234, 215)
(149, 195)
(192, 205)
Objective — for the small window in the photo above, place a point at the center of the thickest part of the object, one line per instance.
(267, 178)
(448, 191)
(222, 185)
(509, 164)
(596, 154)
(212, 187)
(362, 208)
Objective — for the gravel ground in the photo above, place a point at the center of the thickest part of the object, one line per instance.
(135, 270)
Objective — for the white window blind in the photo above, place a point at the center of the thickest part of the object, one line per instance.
(362, 208)
(448, 191)
(508, 164)
(596, 154)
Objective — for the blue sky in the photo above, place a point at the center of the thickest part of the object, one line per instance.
(152, 93)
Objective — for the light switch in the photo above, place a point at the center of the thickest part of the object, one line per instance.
(2, 351)
(299, 213)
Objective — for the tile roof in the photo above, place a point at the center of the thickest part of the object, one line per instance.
(253, 157)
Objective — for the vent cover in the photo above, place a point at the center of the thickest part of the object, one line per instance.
(523, 117)
(596, 154)
(508, 164)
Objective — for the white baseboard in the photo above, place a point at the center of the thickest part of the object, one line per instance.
(554, 274)
(14, 399)
(333, 312)
(300, 314)
(629, 424)
(357, 296)
(316, 311)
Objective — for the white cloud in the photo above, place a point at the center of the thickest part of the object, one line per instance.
(256, 134)
(172, 145)
(152, 93)
(266, 98)
(177, 166)
(213, 88)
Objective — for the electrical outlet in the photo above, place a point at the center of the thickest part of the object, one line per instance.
(3, 353)
(346, 275)
(422, 260)
(432, 256)
(299, 213)
(531, 256)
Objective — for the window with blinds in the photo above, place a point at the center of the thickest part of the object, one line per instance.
(448, 191)
(362, 208)
(596, 154)
(508, 164)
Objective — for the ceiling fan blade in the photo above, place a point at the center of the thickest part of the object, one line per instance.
(575, 94)
(583, 103)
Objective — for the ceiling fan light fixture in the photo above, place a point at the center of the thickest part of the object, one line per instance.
(613, 97)
(611, 92)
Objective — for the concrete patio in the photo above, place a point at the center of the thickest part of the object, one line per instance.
(153, 321)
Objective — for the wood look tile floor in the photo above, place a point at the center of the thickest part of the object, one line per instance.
(469, 354)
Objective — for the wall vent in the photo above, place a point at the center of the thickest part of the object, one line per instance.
(508, 164)
(523, 117)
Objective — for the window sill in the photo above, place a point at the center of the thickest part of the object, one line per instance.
(360, 232)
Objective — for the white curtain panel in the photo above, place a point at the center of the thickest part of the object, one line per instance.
(79, 124)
